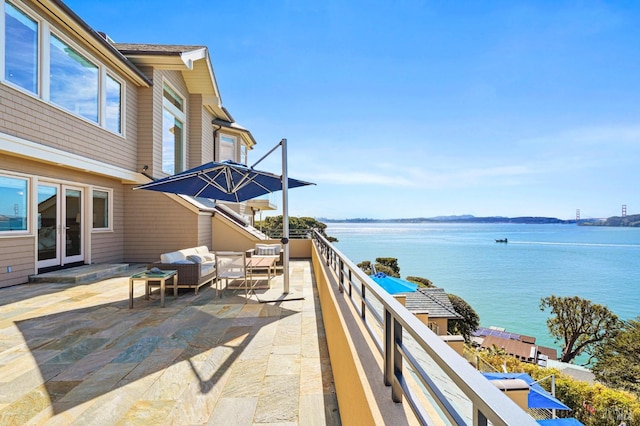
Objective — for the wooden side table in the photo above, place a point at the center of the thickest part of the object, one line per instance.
(150, 277)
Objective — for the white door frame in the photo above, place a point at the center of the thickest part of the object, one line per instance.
(69, 230)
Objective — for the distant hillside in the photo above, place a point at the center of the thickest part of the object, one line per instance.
(457, 219)
(631, 221)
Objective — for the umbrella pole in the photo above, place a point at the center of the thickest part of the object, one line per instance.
(285, 217)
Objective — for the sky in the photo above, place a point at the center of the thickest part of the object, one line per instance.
(418, 108)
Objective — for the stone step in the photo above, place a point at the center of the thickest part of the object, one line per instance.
(80, 274)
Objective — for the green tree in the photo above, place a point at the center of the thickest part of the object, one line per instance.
(272, 225)
(470, 320)
(579, 324)
(422, 282)
(618, 361)
(388, 265)
(365, 265)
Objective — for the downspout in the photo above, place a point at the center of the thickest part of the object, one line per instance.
(215, 135)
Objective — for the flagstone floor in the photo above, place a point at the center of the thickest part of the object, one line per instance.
(77, 355)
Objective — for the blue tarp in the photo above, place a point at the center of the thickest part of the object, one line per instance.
(561, 422)
(538, 397)
(393, 285)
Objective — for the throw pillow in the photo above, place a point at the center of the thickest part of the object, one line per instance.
(195, 258)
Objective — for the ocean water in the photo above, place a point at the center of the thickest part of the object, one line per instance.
(505, 282)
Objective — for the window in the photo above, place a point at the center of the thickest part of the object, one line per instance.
(74, 80)
(67, 77)
(113, 116)
(21, 49)
(173, 117)
(227, 148)
(101, 209)
(13, 204)
(243, 154)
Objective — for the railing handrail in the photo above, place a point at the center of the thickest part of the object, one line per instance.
(488, 401)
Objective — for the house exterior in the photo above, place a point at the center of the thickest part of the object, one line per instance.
(520, 346)
(82, 121)
(433, 307)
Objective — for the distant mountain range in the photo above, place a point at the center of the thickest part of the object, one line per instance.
(628, 221)
(456, 219)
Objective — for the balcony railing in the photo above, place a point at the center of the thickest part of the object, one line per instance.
(435, 378)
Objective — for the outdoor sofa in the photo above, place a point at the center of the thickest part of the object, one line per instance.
(196, 266)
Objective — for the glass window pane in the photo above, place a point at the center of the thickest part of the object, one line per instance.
(100, 209)
(171, 143)
(173, 97)
(74, 81)
(21, 49)
(13, 204)
(114, 105)
(227, 148)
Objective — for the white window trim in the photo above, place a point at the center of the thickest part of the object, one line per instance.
(104, 72)
(44, 66)
(235, 145)
(29, 180)
(109, 192)
(181, 116)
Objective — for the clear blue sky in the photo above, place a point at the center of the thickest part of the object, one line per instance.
(411, 108)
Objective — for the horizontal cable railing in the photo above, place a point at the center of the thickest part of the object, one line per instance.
(295, 234)
(456, 392)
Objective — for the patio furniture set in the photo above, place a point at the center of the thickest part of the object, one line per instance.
(194, 267)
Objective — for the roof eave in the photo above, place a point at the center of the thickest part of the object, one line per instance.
(66, 17)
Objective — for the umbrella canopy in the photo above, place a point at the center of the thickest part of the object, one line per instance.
(224, 181)
(538, 397)
(393, 285)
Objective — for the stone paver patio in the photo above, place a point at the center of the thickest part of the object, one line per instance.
(76, 354)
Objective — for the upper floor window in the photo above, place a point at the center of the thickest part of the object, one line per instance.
(113, 114)
(227, 148)
(243, 154)
(173, 118)
(74, 80)
(44, 64)
(13, 204)
(21, 49)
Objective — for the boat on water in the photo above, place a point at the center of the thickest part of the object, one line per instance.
(502, 240)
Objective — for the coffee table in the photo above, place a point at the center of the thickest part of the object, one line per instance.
(151, 278)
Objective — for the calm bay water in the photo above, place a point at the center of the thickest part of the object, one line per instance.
(505, 282)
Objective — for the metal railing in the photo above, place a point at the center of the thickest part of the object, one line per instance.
(434, 372)
(294, 234)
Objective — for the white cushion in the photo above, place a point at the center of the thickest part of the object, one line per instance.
(172, 257)
(267, 249)
(202, 250)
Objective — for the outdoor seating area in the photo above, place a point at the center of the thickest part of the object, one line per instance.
(89, 359)
(196, 266)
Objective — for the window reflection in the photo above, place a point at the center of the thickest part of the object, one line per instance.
(100, 209)
(21, 49)
(13, 204)
(114, 105)
(74, 81)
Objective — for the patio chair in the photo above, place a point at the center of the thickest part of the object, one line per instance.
(231, 265)
(267, 250)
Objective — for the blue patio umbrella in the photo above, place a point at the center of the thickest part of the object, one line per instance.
(235, 182)
(224, 181)
(393, 285)
(538, 396)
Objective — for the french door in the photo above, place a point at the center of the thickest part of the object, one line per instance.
(60, 224)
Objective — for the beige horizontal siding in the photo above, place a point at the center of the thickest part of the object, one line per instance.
(30, 118)
(156, 224)
(19, 254)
